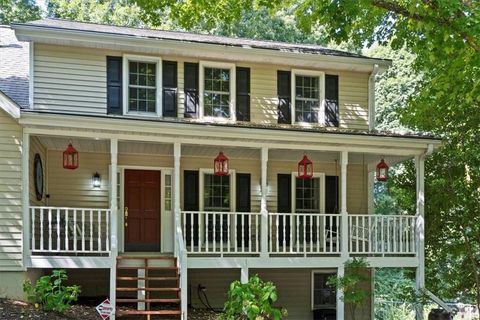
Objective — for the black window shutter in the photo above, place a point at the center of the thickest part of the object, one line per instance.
(190, 203)
(243, 205)
(284, 205)
(284, 97)
(114, 85)
(191, 90)
(331, 194)
(243, 94)
(331, 100)
(169, 82)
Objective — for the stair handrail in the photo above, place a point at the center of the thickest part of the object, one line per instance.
(181, 254)
(438, 301)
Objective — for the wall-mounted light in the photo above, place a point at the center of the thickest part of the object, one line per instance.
(96, 181)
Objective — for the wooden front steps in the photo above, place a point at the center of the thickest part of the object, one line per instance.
(148, 287)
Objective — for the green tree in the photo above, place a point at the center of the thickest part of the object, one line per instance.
(12, 11)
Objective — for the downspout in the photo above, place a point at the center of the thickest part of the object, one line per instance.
(371, 97)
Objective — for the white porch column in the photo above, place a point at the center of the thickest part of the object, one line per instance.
(244, 274)
(26, 196)
(340, 303)
(420, 229)
(263, 204)
(113, 222)
(343, 204)
(177, 151)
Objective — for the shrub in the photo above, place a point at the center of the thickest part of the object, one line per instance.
(50, 293)
(252, 301)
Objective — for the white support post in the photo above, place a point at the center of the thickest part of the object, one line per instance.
(25, 196)
(177, 151)
(343, 204)
(263, 204)
(340, 303)
(114, 223)
(420, 230)
(244, 274)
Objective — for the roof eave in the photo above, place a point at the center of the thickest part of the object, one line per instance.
(53, 35)
(9, 106)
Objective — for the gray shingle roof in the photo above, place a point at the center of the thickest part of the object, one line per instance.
(14, 67)
(190, 37)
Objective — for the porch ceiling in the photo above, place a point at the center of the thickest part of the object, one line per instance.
(199, 150)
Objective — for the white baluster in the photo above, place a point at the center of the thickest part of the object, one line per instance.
(277, 235)
(32, 213)
(228, 231)
(58, 229)
(318, 232)
(75, 230)
(49, 229)
(41, 229)
(242, 233)
(99, 231)
(91, 230)
(221, 235)
(249, 237)
(284, 242)
(107, 226)
(298, 234)
(83, 230)
(207, 222)
(66, 229)
(257, 228)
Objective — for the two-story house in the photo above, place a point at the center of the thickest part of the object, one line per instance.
(160, 166)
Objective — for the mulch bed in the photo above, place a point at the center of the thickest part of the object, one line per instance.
(14, 310)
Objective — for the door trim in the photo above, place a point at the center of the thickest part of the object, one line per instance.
(121, 203)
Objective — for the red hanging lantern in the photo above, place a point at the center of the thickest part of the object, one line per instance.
(382, 171)
(70, 158)
(220, 165)
(305, 168)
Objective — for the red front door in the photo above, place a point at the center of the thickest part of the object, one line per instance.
(142, 210)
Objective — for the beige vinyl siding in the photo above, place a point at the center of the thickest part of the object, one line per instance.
(10, 194)
(71, 79)
(37, 147)
(217, 282)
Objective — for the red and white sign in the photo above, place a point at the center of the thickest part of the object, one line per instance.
(105, 309)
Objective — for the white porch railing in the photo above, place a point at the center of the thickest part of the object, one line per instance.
(69, 230)
(382, 234)
(304, 233)
(221, 232)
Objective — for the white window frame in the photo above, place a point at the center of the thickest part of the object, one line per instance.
(321, 94)
(217, 65)
(320, 175)
(312, 291)
(158, 83)
(201, 188)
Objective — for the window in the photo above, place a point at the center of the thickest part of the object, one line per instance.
(307, 99)
(216, 193)
(142, 83)
(308, 106)
(168, 192)
(323, 295)
(307, 199)
(217, 90)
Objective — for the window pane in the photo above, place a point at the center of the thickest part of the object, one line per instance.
(142, 87)
(217, 92)
(307, 100)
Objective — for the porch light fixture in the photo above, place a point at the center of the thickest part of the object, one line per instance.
(382, 171)
(305, 168)
(220, 165)
(70, 158)
(96, 181)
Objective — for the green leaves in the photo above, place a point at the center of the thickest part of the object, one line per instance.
(252, 301)
(50, 293)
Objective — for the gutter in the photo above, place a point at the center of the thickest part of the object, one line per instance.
(371, 97)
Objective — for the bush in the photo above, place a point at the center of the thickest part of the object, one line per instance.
(50, 293)
(252, 301)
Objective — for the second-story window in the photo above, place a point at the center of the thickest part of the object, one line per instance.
(308, 96)
(307, 99)
(217, 90)
(142, 88)
(216, 101)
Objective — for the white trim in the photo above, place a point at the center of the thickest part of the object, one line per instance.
(9, 106)
(31, 74)
(158, 82)
(163, 172)
(321, 94)
(371, 97)
(201, 87)
(320, 175)
(312, 275)
(25, 198)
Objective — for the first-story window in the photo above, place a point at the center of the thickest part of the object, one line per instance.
(216, 195)
(307, 195)
(307, 99)
(142, 86)
(216, 101)
(323, 295)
